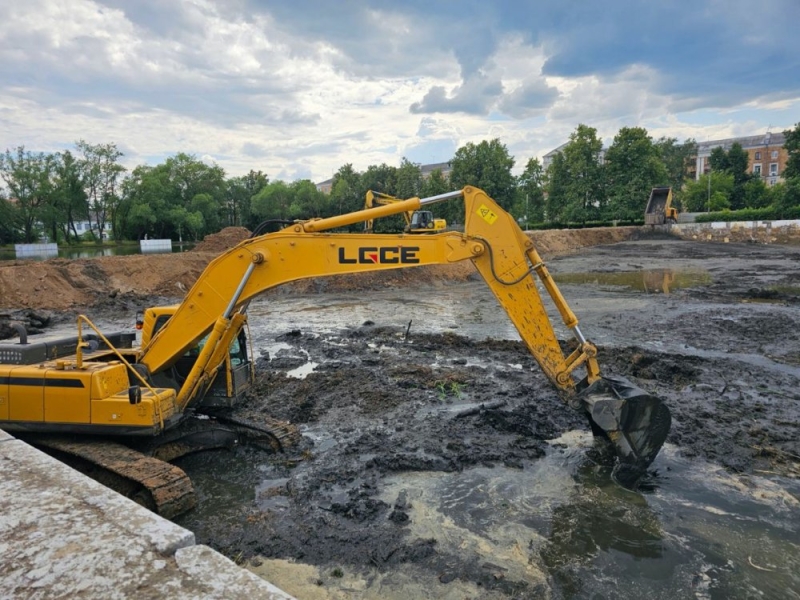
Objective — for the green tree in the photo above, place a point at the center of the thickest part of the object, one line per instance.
(346, 195)
(307, 201)
(786, 196)
(577, 181)
(240, 191)
(486, 165)
(738, 161)
(101, 174)
(557, 178)
(699, 196)
(792, 146)
(756, 193)
(144, 208)
(70, 195)
(408, 180)
(530, 193)
(677, 159)
(274, 201)
(633, 167)
(437, 183)
(718, 160)
(733, 162)
(28, 177)
(153, 195)
(10, 222)
(380, 178)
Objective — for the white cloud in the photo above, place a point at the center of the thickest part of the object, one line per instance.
(300, 88)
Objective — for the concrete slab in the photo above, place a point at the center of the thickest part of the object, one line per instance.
(63, 535)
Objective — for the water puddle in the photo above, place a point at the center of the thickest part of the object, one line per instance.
(303, 371)
(279, 353)
(649, 281)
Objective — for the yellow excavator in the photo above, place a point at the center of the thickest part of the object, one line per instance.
(417, 221)
(129, 410)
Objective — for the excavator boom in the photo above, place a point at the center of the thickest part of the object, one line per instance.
(634, 422)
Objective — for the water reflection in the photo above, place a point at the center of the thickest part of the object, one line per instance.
(649, 281)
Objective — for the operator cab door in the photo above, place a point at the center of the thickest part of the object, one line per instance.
(234, 378)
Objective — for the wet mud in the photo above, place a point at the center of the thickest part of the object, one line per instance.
(439, 462)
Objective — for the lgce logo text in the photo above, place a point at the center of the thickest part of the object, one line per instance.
(384, 255)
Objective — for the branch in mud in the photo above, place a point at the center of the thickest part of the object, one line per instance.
(480, 409)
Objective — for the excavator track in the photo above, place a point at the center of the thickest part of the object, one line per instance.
(262, 430)
(147, 477)
(219, 430)
(153, 483)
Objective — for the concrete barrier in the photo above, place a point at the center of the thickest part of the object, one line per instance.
(762, 232)
(36, 250)
(63, 535)
(155, 246)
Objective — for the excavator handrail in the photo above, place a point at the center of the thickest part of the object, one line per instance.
(79, 360)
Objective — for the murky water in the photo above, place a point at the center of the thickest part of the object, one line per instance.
(695, 532)
(650, 281)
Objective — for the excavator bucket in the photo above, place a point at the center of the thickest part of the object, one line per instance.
(633, 421)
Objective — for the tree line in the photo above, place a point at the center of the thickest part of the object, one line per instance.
(185, 198)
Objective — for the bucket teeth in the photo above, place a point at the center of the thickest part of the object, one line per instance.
(633, 421)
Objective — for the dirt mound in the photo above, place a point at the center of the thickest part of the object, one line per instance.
(222, 240)
(61, 283)
(554, 242)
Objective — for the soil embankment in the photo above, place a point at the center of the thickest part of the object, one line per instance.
(60, 284)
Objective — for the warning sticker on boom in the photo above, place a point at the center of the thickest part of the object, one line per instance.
(485, 213)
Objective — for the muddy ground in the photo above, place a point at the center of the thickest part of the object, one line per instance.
(429, 467)
(712, 329)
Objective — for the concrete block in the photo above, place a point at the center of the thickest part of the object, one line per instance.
(222, 577)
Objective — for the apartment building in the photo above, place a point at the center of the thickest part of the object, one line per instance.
(766, 155)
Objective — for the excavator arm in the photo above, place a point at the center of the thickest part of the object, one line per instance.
(634, 422)
(378, 198)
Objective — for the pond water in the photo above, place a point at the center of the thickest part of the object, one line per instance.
(697, 531)
(73, 252)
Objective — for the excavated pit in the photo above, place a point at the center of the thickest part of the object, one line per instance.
(439, 463)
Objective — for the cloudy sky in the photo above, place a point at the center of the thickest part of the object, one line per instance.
(299, 88)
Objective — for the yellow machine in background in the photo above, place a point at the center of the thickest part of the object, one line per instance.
(417, 221)
(193, 358)
(659, 210)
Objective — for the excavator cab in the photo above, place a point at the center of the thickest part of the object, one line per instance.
(422, 219)
(233, 378)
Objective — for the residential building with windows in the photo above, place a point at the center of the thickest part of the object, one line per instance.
(547, 159)
(86, 226)
(766, 155)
